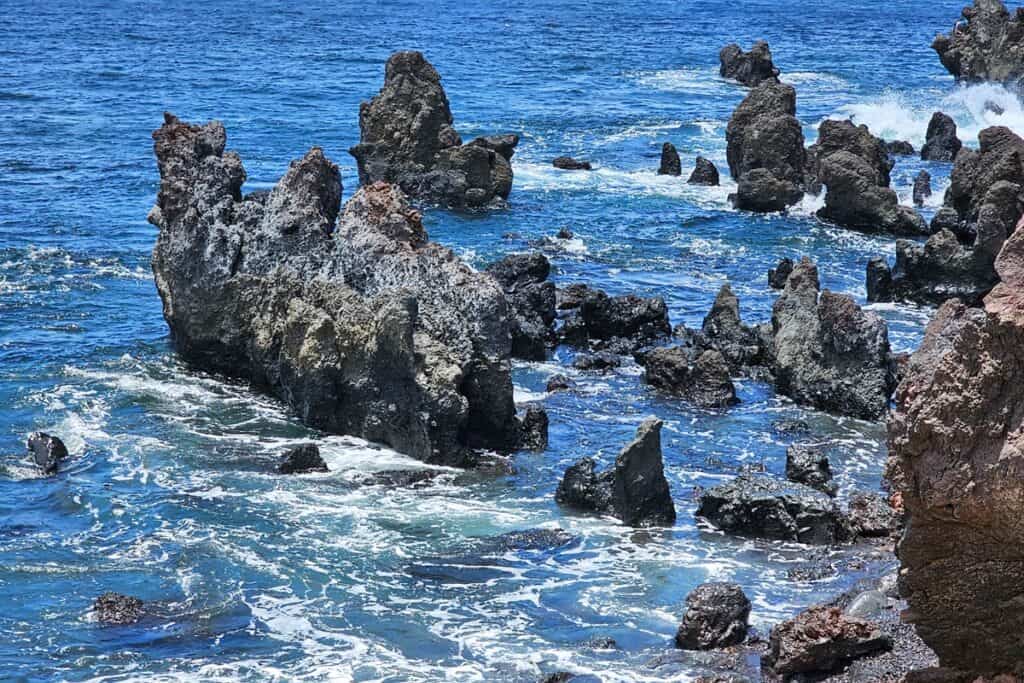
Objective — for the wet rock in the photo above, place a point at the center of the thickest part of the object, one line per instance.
(778, 275)
(558, 677)
(354, 318)
(534, 429)
(117, 609)
(791, 427)
(957, 461)
(821, 640)
(634, 490)
(724, 331)
(748, 68)
(922, 187)
(637, 320)
(827, 352)
(524, 279)
(602, 643)
(301, 459)
(559, 383)
(759, 506)
(809, 465)
(406, 138)
(570, 164)
(765, 149)
(530, 539)
(871, 516)
(988, 46)
(47, 451)
(716, 616)
(843, 136)
(570, 296)
(564, 234)
(704, 173)
(702, 379)
(404, 478)
(941, 142)
(600, 361)
(900, 148)
(670, 163)
(879, 280)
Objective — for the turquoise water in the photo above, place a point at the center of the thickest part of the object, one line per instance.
(168, 495)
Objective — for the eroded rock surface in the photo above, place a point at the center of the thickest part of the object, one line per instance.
(670, 163)
(301, 459)
(701, 378)
(941, 142)
(704, 173)
(821, 640)
(531, 296)
(748, 68)
(988, 46)
(716, 616)
(808, 464)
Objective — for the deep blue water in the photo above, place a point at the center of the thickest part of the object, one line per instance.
(255, 576)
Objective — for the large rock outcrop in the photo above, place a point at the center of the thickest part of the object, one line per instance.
(531, 296)
(765, 149)
(406, 138)
(827, 352)
(989, 46)
(748, 68)
(956, 443)
(353, 318)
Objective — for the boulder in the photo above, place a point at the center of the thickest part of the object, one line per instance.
(822, 640)
(717, 615)
(301, 459)
(670, 163)
(759, 506)
(843, 136)
(47, 451)
(700, 378)
(406, 138)
(531, 297)
(599, 361)
(634, 490)
(117, 609)
(534, 434)
(922, 187)
(765, 149)
(724, 331)
(988, 46)
(879, 280)
(778, 275)
(559, 383)
(871, 516)
(570, 164)
(808, 464)
(827, 352)
(354, 318)
(941, 142)
(900, 148)
(956, 444)
(704, 173)
(748, 68)
(635, 320)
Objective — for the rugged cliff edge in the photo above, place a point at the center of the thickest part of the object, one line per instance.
(956, 444)
(352, 317)
(989, 46)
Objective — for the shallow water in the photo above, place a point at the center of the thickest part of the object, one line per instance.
(255, 576)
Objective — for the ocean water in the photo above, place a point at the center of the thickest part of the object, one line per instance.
(168, 494)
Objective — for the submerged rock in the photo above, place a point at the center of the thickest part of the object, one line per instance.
(570, 164)
(634, 490)
(922, 187)
(748, 68)
(778, 275)
(559, 383)
(941, 142)
(406, 138)
(809, 465)
(531, 296)
(702, 379)
(763, 507)
(117, 609)
(670, 163)
(355, 319)
(47, 451)
(716, 616)
(989, 46)
(704, 173)
(300, 459)
(821, 640)
(956, 443)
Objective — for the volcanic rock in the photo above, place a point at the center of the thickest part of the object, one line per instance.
(535, 429)
(724, 331)
(570, 164)
(748, 68)
(633, 319)
(524, 279)
(716, 616)
(704, 173)
(900, 148)
(820, 640)
(922, 187)
(879, 280)
(301, 459)
(117, 609)
(600, 361)
(989, 46)
(702, 379)
(670, 163)
(941, 142)
(809, 465)
(871, 516)
(47, 451)
(559, 383)
(778, 275)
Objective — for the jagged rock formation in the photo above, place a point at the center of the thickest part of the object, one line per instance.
(406, 138)
(871, 516)
(854, 166)
(621, 324)
(988, 47)
(355, 319)
(717, 615)
(301, 459)
(809, 465)
(922, 187)
(778, 275)
(765, 149)
(723, 330)
(531, 296)
(47, 451)
(748, 68)
(941, 142)
(634, 490)
(704, 173)
(828, 353)
(700, 378)
(879, 279)
(821, 640)
(956, 443)
(535, 429)
(570, 164)
(670, 163)
(900, 148)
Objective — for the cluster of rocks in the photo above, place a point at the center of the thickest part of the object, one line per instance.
(704, 171)
(406, 137)
(531, 297)
(620, 324)
(988, 46)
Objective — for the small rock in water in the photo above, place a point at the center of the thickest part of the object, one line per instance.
(748, 68)
(791, 426)
(807, 464)
(670, 164)
(47, 451)
(704, 173)
(114, 608)
(778, 275)
(564, 234)
(602, 643)
(716, 616)
(558, 677)
(994, 107)
(879, 280)
(559, 383)
(600, 361)
(702, 379)
(941, 142)
(531, 539)
(405, 478)
(300, 459)
(922, 187)
(900, 148)
(570, 164)
(535, 429)
(821, 640)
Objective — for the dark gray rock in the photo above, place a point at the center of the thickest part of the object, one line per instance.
(534, 429)
(778, 275)
(558, 677)
(570, 164)
(301, 459)
(640, 321)
(941, 142)
(670, 163)
(724, 331)
(634, 490)
(704, 173)
(808, 464)
(564, 234)
(821, 640)
(700, 378)
(879, 280)
(748, 68)
(871, 516)
(570, 296)
(524, 279)
(717, 615)
(406, 138)
(529, 539)
(900, 148)
(758, 506)
(559, 383)
(600, 361)
(922, 187)
(988, 46)
(117, 609)
(354, 318)
(47, 451)
(791, 426)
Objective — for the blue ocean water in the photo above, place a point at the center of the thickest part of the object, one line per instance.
(168, 495)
